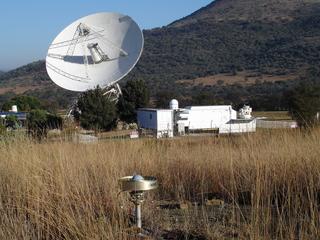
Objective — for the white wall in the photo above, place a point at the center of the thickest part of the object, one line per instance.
(164, 120)
(239, 127)
(165, 123)
(159, 120)
(209, 117)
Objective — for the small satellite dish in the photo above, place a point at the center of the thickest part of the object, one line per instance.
(99, 49)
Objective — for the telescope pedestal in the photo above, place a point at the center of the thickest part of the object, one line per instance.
(113, 92)
(137, 198)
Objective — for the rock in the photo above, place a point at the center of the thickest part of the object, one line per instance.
(214, 202)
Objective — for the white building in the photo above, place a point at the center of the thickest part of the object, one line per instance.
(160, 121)
(206, 117)
(176, 121)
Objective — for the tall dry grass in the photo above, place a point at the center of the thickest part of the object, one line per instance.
(270, 181)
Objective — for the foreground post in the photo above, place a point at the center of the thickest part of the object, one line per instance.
(137, 198)
(137, 186)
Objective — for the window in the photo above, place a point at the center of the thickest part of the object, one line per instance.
(150, 116)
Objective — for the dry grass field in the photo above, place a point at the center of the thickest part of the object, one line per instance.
(274, 115)
(269, 181)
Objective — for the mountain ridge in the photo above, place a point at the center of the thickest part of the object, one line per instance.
(252, 11)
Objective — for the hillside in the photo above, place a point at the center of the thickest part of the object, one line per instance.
(32, 79)
(274, 48)
(230, 51)
(195, 46)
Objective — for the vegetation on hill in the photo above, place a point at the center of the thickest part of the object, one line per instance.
(231, 37)
(36, 69)
(272, 11)
(209, 47)
(24, 103)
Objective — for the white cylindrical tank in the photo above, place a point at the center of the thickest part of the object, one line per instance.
(14, 108)
(174, 104)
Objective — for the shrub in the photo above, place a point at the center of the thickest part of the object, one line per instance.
(304, 104)
(37, 124)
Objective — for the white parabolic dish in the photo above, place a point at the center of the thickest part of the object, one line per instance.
(99, 49)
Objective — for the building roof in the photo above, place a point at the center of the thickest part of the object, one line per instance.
(214, 107)
(19, 115)
(154, 110)
(235, 121)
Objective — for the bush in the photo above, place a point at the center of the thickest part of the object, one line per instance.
(54, 121)
(37, 124)
(11, 122)
(304, 104)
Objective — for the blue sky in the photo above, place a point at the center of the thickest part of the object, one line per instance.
(29, 26)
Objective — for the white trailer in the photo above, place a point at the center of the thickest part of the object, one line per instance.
(206, 117)
(159, 121)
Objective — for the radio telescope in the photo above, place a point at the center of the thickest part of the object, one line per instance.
(99, 49)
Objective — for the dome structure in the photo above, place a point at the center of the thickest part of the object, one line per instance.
(174, 104)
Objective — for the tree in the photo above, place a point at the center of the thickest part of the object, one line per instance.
(304, 104)
(95, 111)
(24, 103)
(135, 94)
(37, 124)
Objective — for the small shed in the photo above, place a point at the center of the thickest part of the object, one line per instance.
(159, 121)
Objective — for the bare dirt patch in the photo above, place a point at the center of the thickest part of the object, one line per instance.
(242, 78)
